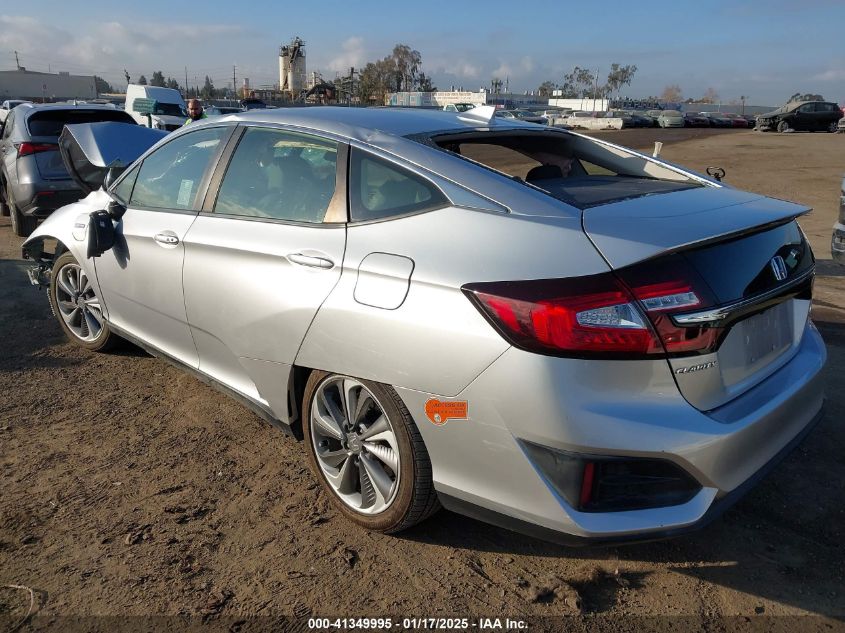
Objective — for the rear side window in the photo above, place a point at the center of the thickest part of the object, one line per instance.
(279, 175)
(380, 189)
(51, 122)
(169, 178)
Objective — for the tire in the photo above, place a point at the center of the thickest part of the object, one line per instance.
(393, 449)
(783, 126)
(4, 208)
(833, 128)
(78, 319)
(22, 225)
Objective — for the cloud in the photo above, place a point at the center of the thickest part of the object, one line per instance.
(834, 74)
(353, 54)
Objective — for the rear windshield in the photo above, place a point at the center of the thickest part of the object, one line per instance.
(51, 122)
(574, 169)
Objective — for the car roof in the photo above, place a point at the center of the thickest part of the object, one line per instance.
(31, 108)
(367, 124)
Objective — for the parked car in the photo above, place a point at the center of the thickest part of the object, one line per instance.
(458, 107)
(212, 110)
(837, 240)
(737, 120)
(717, 119)
(7, 106)
(521, 115)
(348, 274)
(253, 104)
(691, 119)
(807, 116)
(33, 180)
(841, 125)
(627, 119)
(639, 119)
(752, 119)
(654, 114)
(670, 118)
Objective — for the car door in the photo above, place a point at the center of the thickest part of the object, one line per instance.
(141, 275)
(804, 118)
(263, 255)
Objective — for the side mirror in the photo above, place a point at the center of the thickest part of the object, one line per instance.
(100, 233)
(115, 209)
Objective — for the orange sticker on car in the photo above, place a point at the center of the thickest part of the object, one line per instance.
(439, 412)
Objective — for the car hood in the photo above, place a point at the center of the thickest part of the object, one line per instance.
(629, 231)
(90, 149)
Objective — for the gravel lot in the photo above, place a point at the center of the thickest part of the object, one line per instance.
(128, 488)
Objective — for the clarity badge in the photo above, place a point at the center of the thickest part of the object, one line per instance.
(439, 412)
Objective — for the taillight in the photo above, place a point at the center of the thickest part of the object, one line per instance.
(627, 314)
(671, 286)
(580, 316)
(25, 149)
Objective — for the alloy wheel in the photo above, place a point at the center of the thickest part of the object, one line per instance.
(355, 445)
(77, 303)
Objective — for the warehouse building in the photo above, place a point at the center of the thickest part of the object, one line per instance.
(35, 86)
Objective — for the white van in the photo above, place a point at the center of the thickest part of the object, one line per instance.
(170, 112)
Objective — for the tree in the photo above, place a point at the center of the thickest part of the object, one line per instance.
(157, 79)
(672, 94)
(142, 81)
(102, 85)
(710, 96)
(806, 97)
(172, 83)
(407, 64)
(424, 83)
(578, 84)
(546, 89)
(208, 91)
(619, 76)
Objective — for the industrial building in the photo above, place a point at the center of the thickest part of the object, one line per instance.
(292, 74)
(35, 86)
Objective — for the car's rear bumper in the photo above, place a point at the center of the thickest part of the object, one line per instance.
(43, 202)
(717, 508)
(623, 409)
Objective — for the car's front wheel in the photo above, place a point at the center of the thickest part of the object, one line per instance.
(783, 126)
(366, 450)
(77, 307)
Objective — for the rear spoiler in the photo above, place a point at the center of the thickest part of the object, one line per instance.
(89, 150)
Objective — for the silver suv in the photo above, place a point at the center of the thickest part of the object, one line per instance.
(33, 178)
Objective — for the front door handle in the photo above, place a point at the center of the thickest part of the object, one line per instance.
(310, 261)
(168, 238)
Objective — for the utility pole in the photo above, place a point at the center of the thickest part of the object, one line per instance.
(17, 62)
(595, 89)
(186, 82)
(234, 81)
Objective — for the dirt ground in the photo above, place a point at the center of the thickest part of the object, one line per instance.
(128, 488)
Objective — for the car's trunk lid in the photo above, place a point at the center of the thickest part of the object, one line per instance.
(753, 259)
(88, 150)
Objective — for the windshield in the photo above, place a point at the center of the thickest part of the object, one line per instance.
(574, 169)
(170, 109)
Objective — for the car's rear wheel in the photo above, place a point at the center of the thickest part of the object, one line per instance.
(833, 127)
(783, 126)
(22, 225)
(77, 307)
(366, 450)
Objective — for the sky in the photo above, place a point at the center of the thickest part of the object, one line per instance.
(766, 50)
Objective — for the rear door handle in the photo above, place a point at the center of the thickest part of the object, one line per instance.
(167, 238)
(310, 261)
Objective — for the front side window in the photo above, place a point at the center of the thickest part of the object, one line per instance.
(279, 175)
(380, 189)
(123, 190)
(169, 178)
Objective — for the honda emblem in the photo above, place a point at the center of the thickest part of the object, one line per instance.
(778, 267)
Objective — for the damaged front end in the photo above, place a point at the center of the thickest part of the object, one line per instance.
(34, 251)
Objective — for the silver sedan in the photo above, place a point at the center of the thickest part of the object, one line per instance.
(543, 330)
